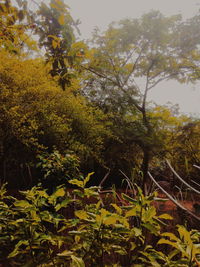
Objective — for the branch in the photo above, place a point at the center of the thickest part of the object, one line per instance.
(172, 199)
(185, 183)
(103, 180)
(162, 79)
(99, 74)
(134, 65)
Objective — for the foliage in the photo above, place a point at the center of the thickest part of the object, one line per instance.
(55, 28)
(34, 231)
(57, 169)
(36, 117)
(127, 61)
(16, 27)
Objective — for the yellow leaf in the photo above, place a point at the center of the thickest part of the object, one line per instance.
(87, 178)
(131, 212)
(60, 192)
(54, 44)
(110, 220)
(117, 208)
(81, 214)
(61, 19)
(133, 246)
(165, 217)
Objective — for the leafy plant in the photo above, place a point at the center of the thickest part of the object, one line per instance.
(78, 229)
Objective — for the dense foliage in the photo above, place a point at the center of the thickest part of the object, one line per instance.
(67, 229)
(69, 108)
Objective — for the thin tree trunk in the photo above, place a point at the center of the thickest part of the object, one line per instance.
(145, 169)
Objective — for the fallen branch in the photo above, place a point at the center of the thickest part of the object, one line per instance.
(184, 182)
(172, 199)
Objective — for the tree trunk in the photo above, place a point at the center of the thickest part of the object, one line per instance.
(145, 168)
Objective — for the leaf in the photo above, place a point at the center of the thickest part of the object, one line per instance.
(137, 231)
(131, 212)
(110, 220)
(77, 262)
(54, 44)
(81, 214)
(130, 199)
(117, 208)
(65, 253)
(165, 217)
(22, 204)
(133, 246)
(77, 182)
(171, 236)
(16, 251)
(60, 192)
(87, 178)
(61, 19)
(168, 242)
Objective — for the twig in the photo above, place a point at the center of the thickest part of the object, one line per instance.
(129, 182)
(105, 177)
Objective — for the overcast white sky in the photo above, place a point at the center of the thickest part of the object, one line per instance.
(100, 13)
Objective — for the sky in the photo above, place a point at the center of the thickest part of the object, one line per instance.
(100, 13)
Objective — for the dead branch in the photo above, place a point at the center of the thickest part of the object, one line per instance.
(172, 199)
(185, 183)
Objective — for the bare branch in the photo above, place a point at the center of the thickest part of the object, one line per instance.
(134, 65)
(196, 166)
(172, 199)
(185, 183)
(105, 177)
(130, 184)
(195, 183)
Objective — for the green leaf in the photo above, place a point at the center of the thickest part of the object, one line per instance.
(77, 182)
(130, 199)
(86, 180)
(77, 262)
(17, 251)
(165, 217)
(168, 242)
(22, 204)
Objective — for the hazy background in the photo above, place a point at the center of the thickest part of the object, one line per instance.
(100, 13)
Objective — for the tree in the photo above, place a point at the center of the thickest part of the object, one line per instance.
(36, 116)
(16, 27)
(55, 28)
(129, 60)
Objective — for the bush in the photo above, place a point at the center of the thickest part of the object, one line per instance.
(33, 231)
